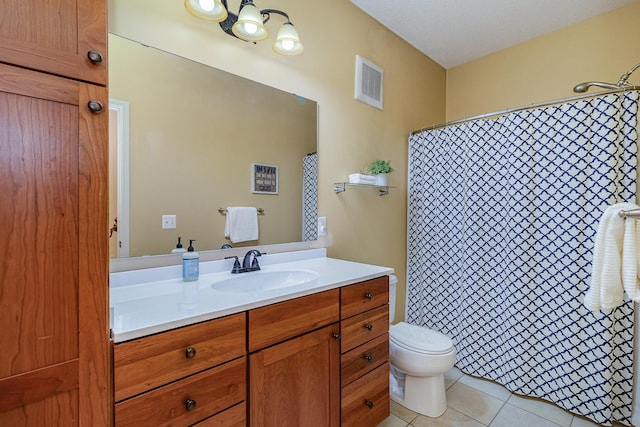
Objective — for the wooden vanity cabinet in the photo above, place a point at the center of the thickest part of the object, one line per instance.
(364, 347)
(181, 377)
(294, 368)
(318, 360)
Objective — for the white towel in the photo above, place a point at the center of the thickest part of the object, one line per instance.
(241, 224)
(615, 260)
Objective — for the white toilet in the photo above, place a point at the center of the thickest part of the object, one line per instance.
(419, 358)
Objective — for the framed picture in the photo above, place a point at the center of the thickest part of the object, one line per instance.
(264, 178)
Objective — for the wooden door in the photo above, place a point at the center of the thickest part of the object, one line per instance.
(297, 383)
(54, 345)
(56, 36)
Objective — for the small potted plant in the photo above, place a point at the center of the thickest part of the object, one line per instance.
(380, 169)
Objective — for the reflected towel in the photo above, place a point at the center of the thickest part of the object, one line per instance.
(241, 224)
(615, 260)
(358, 178)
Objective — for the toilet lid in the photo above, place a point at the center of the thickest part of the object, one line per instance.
(420, 339)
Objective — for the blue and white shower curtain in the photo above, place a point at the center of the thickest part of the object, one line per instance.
(502, 219)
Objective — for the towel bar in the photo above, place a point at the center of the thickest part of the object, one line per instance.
(223, 211)
(634, 213)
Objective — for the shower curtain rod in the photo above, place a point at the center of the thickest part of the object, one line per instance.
(523, 108)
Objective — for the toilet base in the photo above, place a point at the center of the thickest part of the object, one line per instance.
(424, 395)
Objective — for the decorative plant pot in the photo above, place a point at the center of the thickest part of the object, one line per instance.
(381, 179)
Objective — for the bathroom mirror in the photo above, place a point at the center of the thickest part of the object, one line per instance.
(183, 138)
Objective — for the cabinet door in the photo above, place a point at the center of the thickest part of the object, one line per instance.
(53, 261)
(56, 36)
(297, 383)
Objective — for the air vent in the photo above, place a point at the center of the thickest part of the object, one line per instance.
(369, 82)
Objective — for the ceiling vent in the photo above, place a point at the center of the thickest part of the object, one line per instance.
(369, 82)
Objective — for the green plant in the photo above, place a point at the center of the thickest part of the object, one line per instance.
(380, 166)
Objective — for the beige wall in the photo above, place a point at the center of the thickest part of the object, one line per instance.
(548, 67)
(194, 133)
(364, 227)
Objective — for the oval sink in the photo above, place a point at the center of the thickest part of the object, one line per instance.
(257, 281)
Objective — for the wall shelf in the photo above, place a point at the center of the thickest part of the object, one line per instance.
(340, 187)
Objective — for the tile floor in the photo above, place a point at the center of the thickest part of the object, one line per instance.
(474, 402)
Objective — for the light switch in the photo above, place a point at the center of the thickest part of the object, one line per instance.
(322, 226)
(168, 222)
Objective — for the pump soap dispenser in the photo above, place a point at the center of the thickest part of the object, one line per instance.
(178, 249)
(190, 264)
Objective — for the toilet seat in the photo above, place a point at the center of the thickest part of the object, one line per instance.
(420, 339)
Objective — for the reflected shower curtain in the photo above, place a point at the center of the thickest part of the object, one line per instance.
(310, 197)
(502, 218)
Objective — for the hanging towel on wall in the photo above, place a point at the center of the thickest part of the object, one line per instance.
(615, 260)
(241, 224)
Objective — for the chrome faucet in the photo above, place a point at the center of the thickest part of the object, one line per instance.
(247, 263)
(251, 265)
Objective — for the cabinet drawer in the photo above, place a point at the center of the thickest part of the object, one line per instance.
(358, 298)
(278, 322)
(149, 362)
(232, 417)
(365, 402)
(364, 359)
(186, 401)
(359, 329)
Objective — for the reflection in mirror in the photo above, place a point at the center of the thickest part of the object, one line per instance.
(193, 134)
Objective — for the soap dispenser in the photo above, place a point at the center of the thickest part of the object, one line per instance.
(190, 264)
(178, 249)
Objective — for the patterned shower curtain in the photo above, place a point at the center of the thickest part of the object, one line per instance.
(502, 220)
(310, 197)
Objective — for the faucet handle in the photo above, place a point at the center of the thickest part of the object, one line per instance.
(236, 264)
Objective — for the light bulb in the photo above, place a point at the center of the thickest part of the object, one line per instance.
(207, 5)
(250, 28)
(249, 25)
(287, 44)
(212, 10)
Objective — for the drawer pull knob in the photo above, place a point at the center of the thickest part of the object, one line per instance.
(368, 296)
(369, 403)
(94, 56)
(190, 405)
(336, 337)
(190, 353)
(368, 357)
(95, 106)
(369, 326)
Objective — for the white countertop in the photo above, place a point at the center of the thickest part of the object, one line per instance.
(145, 302)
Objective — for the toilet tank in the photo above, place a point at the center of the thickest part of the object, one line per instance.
(393, 283)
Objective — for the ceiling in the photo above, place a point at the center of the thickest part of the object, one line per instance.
(452, 32)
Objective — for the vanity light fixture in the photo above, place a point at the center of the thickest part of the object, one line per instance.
(248, 24)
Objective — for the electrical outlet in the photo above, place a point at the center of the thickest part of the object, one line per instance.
(322, 226)
(168, 222)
